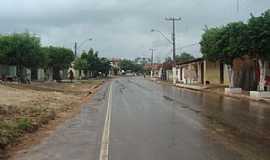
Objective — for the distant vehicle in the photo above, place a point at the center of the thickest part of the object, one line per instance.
(130, 74)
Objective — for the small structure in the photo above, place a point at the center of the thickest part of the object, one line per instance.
(202, 72)
(155, 70)
(8, 72)
(115, 66)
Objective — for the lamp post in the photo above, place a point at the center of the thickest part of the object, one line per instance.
(76, 47)
(163, 35)
(152, 60)
(173, 19)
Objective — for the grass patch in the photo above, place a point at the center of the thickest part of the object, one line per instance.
(14, 122)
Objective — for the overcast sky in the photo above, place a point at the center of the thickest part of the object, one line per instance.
(121, 28)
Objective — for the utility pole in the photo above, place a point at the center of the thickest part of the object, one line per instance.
(152, 60)
(75, 49)
(173, 19)
(238, 6)
(152, 56)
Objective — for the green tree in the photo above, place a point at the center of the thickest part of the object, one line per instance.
(81, 65)
(93, 62)
(225, 44)
(59, 59)
(209, 43)
(126, 65)
(129, 65)
(138, 68)
(183, 57)
(259, 40)
(90, 62)
(104, 66)
(168, 60)
(22, 50)
(4, 44)
(142, 60)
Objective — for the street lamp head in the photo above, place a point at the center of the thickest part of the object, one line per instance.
(173, 18)
(153, 30)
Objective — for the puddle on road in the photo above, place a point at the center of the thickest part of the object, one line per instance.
(244, 126)
(168, 98)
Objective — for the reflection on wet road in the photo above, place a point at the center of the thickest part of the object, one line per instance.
(158, 122)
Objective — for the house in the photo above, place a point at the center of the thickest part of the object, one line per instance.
(8, 72)
(154, 69)
(115, 66)
(246, 73)
(202, 72)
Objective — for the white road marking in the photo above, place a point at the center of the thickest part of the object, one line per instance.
(104, 148)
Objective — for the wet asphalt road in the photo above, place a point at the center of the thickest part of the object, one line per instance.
(159, 122)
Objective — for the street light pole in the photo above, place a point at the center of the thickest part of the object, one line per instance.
(152, 60)
(152, 56)
(163, 35)
(76, 47)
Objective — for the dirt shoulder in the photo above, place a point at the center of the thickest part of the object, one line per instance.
(30, 112)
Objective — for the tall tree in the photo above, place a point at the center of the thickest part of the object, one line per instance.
(81, 64)
(183, 57)
(126, 65)
(104, 66)
(90, 62)
(225, 44)
(259, 33)
(22, 50)
(59, 59)
(4, 44)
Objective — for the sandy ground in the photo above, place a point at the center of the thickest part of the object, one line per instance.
(39, 103)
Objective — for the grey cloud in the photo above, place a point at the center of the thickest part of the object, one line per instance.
(121, 28)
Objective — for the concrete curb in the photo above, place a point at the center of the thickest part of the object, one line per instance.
(206, 89)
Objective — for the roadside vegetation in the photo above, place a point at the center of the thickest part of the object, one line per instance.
(24, 50)
(91, 65)
(132, 66)
(25, 108)
(238, 39)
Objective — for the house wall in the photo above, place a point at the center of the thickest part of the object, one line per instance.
(9, 71)
(212, 73)
(40, 74)
(226, 75)
(203, 71)
(169, 75)
(245, 73)
(267, 78)
(191, 73)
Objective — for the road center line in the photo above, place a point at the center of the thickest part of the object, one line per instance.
(105, 141)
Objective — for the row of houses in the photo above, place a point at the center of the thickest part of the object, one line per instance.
(9, 73)
(204, 72)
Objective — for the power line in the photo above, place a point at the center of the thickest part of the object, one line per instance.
(152, 55)
(187, 46)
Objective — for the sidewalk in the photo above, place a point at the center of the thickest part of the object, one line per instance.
(218, 89)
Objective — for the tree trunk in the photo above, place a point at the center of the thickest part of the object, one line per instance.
(21, 75)
(262, 75)
(56, 74)
(231, 76)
